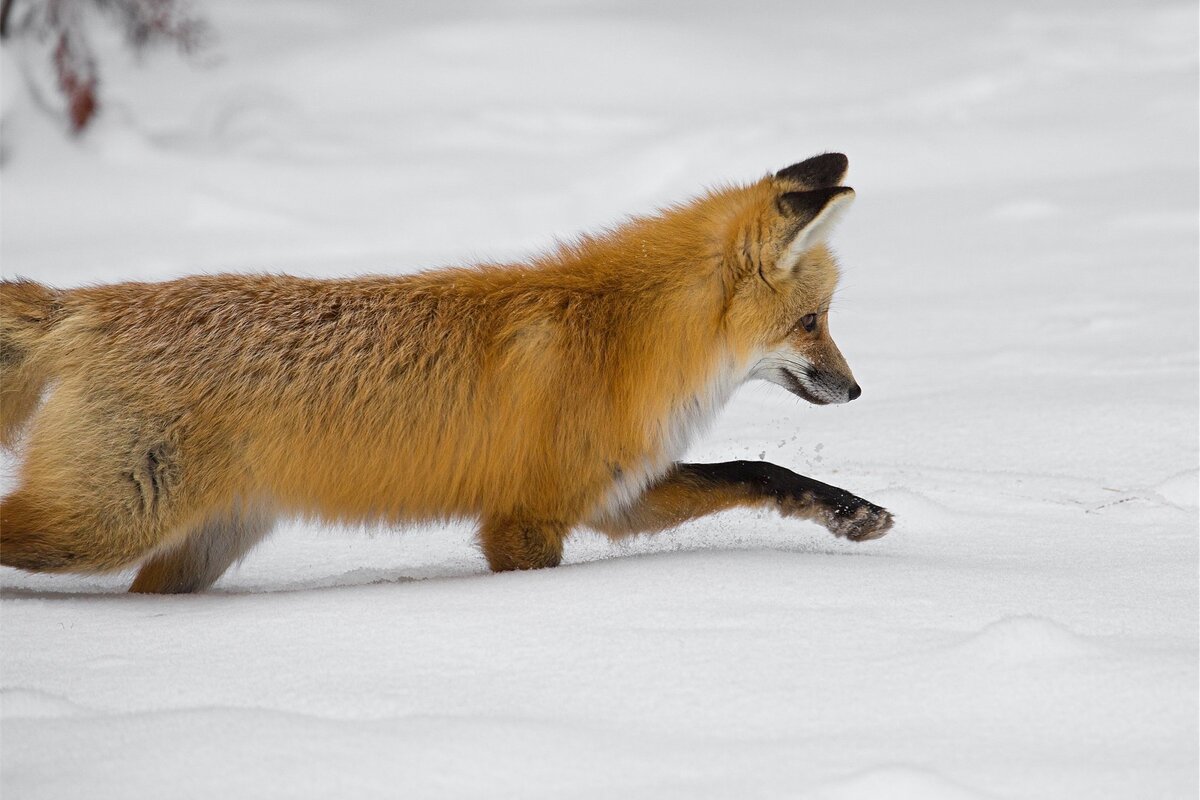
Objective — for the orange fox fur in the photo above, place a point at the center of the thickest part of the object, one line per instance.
(170, 423)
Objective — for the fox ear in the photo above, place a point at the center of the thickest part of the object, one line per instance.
(812, 216)
(818, 172)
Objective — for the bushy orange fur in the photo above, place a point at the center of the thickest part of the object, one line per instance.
(181, 417)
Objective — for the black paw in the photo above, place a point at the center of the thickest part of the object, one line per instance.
(858, 520)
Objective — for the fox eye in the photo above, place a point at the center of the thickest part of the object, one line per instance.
(809, 322)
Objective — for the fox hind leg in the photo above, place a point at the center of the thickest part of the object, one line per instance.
(194, 563)
(102, 484)
(690, 491)
(42, 533)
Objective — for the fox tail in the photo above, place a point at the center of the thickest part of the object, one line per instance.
(28, 312)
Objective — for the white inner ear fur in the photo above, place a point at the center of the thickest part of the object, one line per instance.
(817, 231)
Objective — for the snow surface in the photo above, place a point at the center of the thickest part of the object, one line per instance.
(1020, 306)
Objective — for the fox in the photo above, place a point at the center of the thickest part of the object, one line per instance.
(168, 425)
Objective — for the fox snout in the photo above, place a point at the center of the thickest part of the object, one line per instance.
(821, 387)
(813, 370)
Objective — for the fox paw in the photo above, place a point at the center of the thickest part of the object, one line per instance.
(858, 520)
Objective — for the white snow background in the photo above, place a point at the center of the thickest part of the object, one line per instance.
(1019, 305)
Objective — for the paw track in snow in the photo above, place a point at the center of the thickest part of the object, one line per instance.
(895, 783)
(1181, 489)
(21, 703)
(1026, 639)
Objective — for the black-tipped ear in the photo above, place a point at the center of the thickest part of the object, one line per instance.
(813, 215)
(818, 172)
(804, 207)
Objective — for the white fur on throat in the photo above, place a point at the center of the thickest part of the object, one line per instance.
(689, 420)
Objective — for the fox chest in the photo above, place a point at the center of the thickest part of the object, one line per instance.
(669, 438)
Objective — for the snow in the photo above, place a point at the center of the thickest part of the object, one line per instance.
(1019, 305)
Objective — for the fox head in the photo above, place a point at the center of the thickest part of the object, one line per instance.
(785, 277)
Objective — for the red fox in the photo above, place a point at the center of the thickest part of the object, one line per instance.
(169, 424)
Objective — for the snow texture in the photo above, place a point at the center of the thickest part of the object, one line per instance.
(1019, 305)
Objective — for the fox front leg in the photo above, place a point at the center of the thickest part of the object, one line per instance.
(689, 491)
(518, 542)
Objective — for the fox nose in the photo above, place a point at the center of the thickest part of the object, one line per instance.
(855, 391)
